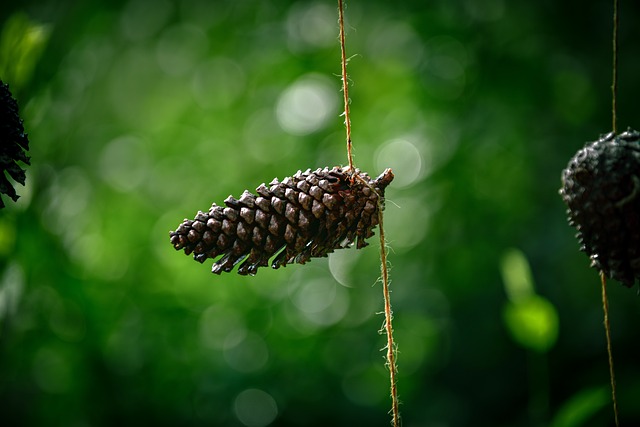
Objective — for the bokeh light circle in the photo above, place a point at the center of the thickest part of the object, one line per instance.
(124, 163)
(314, 296)
(255, 408)
(404, 158)
(245, 351)
(306, 105)
(311, 26)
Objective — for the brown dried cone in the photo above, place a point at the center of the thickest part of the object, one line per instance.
(601, 187)
(307, 215)
(13, 144)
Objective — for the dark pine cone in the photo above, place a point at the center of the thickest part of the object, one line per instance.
(13, 144)
(601, 187)
(307, 215)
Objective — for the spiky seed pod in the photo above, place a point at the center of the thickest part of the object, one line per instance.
(13, 144)
(307, 215)
(601, 187)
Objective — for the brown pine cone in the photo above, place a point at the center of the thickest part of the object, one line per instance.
(13, 144)
(307, 215)
(601, 187)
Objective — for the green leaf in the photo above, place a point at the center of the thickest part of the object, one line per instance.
(516, 274)
(21, 44)
(580, 407)
(532, 322)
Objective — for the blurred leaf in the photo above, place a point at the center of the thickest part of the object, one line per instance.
(516, 274)
(532, 322)
(531, 319)
(11, 289)
(7, 236)
(21, 44)
(580, 407)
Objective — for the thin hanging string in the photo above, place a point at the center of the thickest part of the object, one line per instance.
(388, 327)
(607, 328)
(603, 278)
(614, 84)
(345, 84)
(388, 313)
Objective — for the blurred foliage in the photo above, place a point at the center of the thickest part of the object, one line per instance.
(21, 43)
(531, 319)
(533, 322)
(142, 112)
(581, 407)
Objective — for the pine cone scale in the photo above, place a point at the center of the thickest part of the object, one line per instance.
(278, 205)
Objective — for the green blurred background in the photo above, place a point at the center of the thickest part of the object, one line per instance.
(142, 112)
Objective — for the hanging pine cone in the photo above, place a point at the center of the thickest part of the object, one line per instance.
(601, 187)
(13, 144)
(308, 215)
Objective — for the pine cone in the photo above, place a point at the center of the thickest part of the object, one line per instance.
(601, 187)
(308, 215)
(13, 144)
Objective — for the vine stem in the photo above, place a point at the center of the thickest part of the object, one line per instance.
(388, 327)
(614, 83)
(345, 83)
(607, 328)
